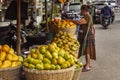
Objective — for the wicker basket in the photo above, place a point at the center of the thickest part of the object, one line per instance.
(63, 74)
(77, 74)
(10, 73)
(68, 30)
(55, 29)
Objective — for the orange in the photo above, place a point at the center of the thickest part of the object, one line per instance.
(5, 47)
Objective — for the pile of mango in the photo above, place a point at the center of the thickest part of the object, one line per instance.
(8, 58)
(67, 42)
(49, 57)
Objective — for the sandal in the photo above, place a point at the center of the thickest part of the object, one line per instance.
(85, 69)
(84, 66)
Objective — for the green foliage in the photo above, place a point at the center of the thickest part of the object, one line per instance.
(56, 9)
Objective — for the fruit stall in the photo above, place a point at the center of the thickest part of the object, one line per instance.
(54, 61)
(57, 60)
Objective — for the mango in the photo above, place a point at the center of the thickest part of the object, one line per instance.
(11, 51)
(60, 60)
(54, 61)
(20, 58)
(55, 55)
(0, 63)
(40, 57)
(48, 55)
(57, 67)
(47, 66)
(36, 61)
(51, 48)
(15, 57)
(42, 49)
(39, 66)
(31, 66)
(46, 60)
(2, 56)
(7, 63)
(34, 55)
(9, 57)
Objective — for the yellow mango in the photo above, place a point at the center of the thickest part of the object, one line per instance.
(9, 57)
(3, 66)
(15, 58)
(0, 63)
(20, 58)
(15, 63)
(7, 63)
(11, 51)
(2, 56)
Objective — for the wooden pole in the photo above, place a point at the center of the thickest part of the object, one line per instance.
(52, 9)
(18, 27)
(46, 15)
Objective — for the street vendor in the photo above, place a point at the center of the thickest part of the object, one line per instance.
(85, 22)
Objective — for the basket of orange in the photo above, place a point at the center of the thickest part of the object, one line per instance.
(57, 25)
(10, 63)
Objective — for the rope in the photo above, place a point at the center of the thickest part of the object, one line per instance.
(85, 39)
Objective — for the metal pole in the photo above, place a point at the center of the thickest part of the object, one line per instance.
(18, 27)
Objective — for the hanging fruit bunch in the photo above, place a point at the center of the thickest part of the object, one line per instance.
(8, 58)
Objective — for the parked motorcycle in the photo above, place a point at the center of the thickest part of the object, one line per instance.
(11, 38)
(106, 21)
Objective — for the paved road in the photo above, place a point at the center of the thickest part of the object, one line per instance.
(107, 65)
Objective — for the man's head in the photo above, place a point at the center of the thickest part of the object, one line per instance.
(106, 3)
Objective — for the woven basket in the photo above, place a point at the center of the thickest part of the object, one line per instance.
(68, 30)
(10, 73)
(77, 74)
(63, 74)
(55, 29)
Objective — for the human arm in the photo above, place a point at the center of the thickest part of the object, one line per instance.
(79, 22)
(93, 27)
